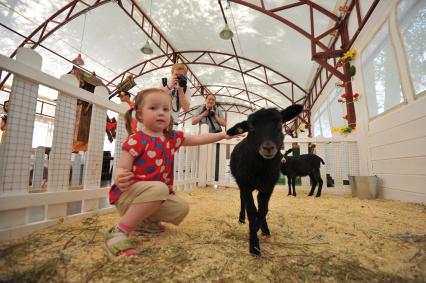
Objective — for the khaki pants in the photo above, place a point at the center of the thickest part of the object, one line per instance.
(173, 208)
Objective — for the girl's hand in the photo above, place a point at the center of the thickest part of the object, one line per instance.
(124, 179)
(225, 136)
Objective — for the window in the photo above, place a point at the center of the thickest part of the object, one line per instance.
(337, 109)
(412, 26)
(322, 122)
(325, 125)
(317, 126)
(380, 71)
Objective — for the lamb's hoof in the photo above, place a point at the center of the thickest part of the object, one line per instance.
(267, 234)
(294, 195)
(317, 196)
(289, 194)
(241, 221)
(255, 251)
(310, 195)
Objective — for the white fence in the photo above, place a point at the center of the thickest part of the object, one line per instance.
(340, 156)
(73, 188)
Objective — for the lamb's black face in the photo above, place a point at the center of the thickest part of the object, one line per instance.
(264, 129)
(265, 132)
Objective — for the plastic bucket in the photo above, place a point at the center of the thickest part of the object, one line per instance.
(364, 187)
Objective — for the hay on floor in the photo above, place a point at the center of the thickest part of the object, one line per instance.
(330, 239)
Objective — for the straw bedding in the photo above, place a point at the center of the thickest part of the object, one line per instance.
(330, 239)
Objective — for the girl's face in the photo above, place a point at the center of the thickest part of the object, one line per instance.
(154, 112)
(210, 101)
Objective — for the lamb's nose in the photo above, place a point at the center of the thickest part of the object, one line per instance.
(268, 146)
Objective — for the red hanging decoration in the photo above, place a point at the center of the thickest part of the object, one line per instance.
(78, 60)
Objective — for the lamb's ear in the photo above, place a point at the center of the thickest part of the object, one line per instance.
(291, 112)
(238, 128)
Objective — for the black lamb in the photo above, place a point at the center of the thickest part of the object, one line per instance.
(255, 164)
(302, 165)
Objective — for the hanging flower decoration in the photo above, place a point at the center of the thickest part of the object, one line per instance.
(344, 96)
(344, 131)
(348, 55)
(346, 117)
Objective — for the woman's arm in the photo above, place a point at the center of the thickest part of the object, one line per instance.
(220, 120)
(199, 117)
(123, 174)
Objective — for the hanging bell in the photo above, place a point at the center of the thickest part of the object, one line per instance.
(78, 60)
(226, 33)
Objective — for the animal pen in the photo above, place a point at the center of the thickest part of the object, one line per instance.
(54, 206)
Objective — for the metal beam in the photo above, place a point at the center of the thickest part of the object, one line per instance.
(181, 54)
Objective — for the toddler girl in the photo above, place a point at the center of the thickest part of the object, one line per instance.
(143, 186)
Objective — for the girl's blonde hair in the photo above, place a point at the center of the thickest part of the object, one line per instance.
(179, 66)
(138, 101)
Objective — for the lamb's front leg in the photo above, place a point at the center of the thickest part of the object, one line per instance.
(242, 218)
(263, 207)
(289, 185)
(253, 225)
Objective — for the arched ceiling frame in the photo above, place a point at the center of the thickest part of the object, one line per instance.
(340, 25)
(147, 26)
(167, 62)
(199, 92)
(69, 12)
(225, 106)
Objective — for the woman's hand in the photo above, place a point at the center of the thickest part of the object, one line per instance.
(124, 179)
(205, 113)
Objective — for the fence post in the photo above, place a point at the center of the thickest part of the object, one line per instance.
(16, 151)
(120, 136)
(94, 155)
(38, 168)
(60, 155)
(202, 160)
(76, 170)
(306, 181)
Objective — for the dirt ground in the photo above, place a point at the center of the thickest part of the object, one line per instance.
(334, 238)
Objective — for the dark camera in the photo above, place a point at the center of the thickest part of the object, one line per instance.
(211, 112)
(182, 81)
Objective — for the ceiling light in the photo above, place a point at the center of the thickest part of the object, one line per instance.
(147, 49)
(226, 33)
